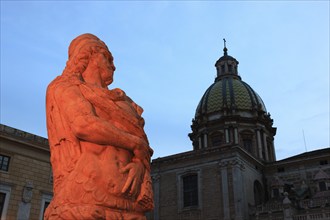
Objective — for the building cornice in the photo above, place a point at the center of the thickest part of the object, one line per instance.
(23, 137)
(228, 150)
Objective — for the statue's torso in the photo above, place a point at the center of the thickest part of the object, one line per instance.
(99, 166)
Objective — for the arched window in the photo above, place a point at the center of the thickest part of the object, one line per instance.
(223, 69)
(230, 68)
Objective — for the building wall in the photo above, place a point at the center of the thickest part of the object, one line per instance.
(211, 192)
(29, 167)
(225, 180)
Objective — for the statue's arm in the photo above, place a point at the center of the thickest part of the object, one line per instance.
(87, 126)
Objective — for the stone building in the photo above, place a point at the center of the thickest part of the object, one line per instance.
(25, 175)
(232, 172)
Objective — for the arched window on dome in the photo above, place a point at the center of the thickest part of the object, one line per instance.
(230, 68)
(246, 139)
(216, 139)
(223, 68)
(247, 143)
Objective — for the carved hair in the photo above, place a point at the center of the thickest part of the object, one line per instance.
(80, 51)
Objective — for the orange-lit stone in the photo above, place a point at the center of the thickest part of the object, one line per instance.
(100, 153)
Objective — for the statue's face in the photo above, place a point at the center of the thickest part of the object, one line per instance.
(106, 67)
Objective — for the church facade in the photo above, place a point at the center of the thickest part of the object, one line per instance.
(230, 174)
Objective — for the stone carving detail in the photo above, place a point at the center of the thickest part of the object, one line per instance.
(100, 153)
(24, 206)
(233, 162)
(237, 163)
(27, 192)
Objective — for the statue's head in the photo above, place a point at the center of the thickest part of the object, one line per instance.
(81, 49)
(83, 42)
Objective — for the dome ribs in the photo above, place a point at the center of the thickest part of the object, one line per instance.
(250, 91)
(231, 92)
(205, 99)
(224, 93)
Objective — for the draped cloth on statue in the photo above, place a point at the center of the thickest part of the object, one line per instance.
(88, 181)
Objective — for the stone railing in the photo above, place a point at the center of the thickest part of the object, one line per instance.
(315, 209)
(313, 216)
(269, 216)
(316, 202)
(320, 215)
(271, 207)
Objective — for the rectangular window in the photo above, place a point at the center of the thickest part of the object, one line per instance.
(280, 169)
(190, 190)
(2, 202)
(4, 162)
(322, 186)
(45, 201)
(276, 192)
(45, 207)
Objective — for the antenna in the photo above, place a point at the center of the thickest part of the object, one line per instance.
(304, 140)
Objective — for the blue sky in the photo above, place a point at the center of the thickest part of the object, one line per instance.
(165, 54)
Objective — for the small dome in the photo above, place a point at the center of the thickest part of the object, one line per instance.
(229, 93)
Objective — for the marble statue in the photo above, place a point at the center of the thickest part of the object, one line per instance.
(100, 154)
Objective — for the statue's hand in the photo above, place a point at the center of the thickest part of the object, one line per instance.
(134, 180)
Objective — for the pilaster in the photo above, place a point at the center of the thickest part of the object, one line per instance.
(155, 180)
(225, 191)
(259, 144)
(238, 184)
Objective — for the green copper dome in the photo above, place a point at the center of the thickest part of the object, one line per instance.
(229, 93)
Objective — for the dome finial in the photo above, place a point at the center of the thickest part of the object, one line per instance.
(224, 47)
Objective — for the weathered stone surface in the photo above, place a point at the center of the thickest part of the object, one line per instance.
(99, 151)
